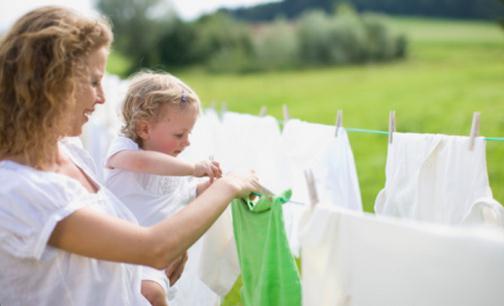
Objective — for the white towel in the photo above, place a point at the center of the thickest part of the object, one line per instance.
(357, 259)
(433, 178)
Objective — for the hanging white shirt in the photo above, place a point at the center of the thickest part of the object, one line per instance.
(32, 202)
(434, 178)
(358, 259)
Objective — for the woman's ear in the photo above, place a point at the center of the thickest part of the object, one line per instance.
(143, 129)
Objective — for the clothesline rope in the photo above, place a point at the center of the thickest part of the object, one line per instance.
(501, 139)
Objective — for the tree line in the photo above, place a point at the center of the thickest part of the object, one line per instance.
(152, 36)
(461, 9)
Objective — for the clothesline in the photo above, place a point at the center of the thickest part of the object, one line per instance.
(356, 130)
(367, 131)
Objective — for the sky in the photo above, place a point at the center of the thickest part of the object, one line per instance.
(10, 10)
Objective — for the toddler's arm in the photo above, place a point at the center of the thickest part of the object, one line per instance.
(161, 164)
(150, 162)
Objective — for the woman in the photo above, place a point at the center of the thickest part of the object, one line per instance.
(64, 238)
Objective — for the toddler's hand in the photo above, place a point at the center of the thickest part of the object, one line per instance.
(207, 168)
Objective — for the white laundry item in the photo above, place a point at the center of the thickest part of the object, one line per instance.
(32, 202)
(314, 146)
(358, 259)
(203, 137)
(218, 266)
(485, 212)
(433, 178)
(190, 290)
(253, 142)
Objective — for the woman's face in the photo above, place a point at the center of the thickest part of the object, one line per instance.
(89, 90)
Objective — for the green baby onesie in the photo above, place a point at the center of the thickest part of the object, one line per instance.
(269, 271)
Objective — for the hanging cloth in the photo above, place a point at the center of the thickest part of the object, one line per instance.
(269, 272)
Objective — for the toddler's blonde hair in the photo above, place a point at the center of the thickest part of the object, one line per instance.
(147, 93)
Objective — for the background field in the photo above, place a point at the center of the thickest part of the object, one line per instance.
(454, 68)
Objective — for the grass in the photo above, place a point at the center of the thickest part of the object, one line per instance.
(454, 68)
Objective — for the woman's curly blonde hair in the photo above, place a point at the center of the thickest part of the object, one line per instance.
(147, 93)
(39, 62)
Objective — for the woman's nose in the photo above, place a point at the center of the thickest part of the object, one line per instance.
(100, 98)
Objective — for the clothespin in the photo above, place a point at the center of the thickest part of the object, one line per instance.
(223, 110)
(263, 111)
(475, 129)
(392, 126)
(312, 190)
(223, 107)
(339, 122)
(213, 105)
(285, 110)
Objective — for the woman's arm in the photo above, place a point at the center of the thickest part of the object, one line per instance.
(89, 233)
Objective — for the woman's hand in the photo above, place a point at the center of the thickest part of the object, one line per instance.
(242, 182)
(175, 269)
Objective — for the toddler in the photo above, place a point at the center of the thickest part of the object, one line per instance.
(142, 168)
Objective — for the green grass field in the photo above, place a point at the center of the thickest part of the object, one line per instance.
(454, 68)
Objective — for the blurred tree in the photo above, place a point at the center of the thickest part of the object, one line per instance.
(176, 45)
(276, 46)
(475, 9)
(138, 26)
(222, 43)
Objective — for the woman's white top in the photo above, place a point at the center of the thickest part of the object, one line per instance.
(150, 197)
(32, 272)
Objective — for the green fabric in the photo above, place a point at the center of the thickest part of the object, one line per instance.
(269, 272)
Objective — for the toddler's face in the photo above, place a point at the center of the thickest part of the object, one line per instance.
(170, 135)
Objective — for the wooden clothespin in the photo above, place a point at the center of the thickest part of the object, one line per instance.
(263, 111)
(475, 129)
(312, 189)
(392, 126)
(339, 122)
(223, 109)
(285, 111)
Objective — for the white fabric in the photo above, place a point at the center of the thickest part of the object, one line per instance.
(204, 137)
(314, 146)
(252, 142)
(150, 197)
(32, 202)
(433, 178)
(190, 290)
(357, 259)
(485, 212)
(218, 266)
